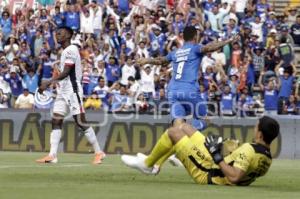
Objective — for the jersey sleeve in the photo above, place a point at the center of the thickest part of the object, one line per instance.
(198, 49)
(169, 56)
(243, 157)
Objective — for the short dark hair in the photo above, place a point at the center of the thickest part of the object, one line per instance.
(189, 33)
(269, 128)
(100, 78)
(131, 79)
(68, 29)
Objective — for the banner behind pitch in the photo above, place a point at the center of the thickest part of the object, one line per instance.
(23, 131)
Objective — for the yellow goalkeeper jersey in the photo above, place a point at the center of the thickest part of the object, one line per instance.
(254, 159)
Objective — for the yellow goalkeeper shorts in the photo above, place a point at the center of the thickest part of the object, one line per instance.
(195, 157)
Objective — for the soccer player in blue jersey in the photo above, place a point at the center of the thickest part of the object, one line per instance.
(183, 90)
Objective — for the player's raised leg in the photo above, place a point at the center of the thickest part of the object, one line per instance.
(162, 147)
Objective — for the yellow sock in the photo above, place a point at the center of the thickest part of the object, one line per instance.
(165, 157)
(163, 146)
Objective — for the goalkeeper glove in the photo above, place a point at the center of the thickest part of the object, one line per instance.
(214, 146)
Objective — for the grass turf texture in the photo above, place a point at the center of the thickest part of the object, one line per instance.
(74, 177)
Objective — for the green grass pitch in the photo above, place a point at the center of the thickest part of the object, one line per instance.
(74, 177)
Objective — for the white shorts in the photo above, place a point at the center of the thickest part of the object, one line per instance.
(68, 103)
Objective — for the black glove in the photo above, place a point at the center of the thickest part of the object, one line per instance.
(214, 146)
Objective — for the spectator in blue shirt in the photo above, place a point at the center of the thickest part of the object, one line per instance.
(72, 18)
(178, 24)
(262, 7)
(31, 79)
(114, 40)
(208, 5)
(48, 34)
(295, 31)
(24, 52)
(248, 18)
(31, 30)
(6, 24)
(103, 93)
(246, 103)
(286, 89)
(46, 66)
(113, 71)
(44, 16)
(15, 82)
(119, 100)
(290, 107)
(58, 17)
(157, 41)
(227, 102)
(123, 6)
(270, 94)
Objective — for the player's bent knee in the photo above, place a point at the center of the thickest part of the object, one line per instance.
(175, 134)
(188, 129)
(178, 122)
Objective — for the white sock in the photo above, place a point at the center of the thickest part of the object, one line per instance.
(54, 141)
(91, 137)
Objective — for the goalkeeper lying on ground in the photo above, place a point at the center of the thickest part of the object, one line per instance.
(203, 159)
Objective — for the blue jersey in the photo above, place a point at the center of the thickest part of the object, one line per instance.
(31, 32)
(271, 99)
(6, 26)
(72, 20)
(47, 69)
(15, 85)
(31, 82)
(124, 5)
(286, 86)
(262, 8)
(113, 72)
(59, 20)
(183, 91)
(185, 62)
(118, 101)
(157, 42)
(227, 101)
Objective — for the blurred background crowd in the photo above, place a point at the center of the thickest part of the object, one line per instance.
(256, 74)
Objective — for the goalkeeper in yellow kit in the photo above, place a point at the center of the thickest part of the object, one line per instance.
(203, 159)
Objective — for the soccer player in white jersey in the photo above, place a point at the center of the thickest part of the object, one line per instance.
(69, 98)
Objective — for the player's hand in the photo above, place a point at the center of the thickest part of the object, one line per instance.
(43, 86)
(234, 39)
(214, 146)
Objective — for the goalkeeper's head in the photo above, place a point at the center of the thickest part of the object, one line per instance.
(266, 130)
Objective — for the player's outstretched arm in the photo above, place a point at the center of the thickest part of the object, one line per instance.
(152, 61)
(213, 46)
(61, 76)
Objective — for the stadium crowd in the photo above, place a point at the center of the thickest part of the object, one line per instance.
(258, 73)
